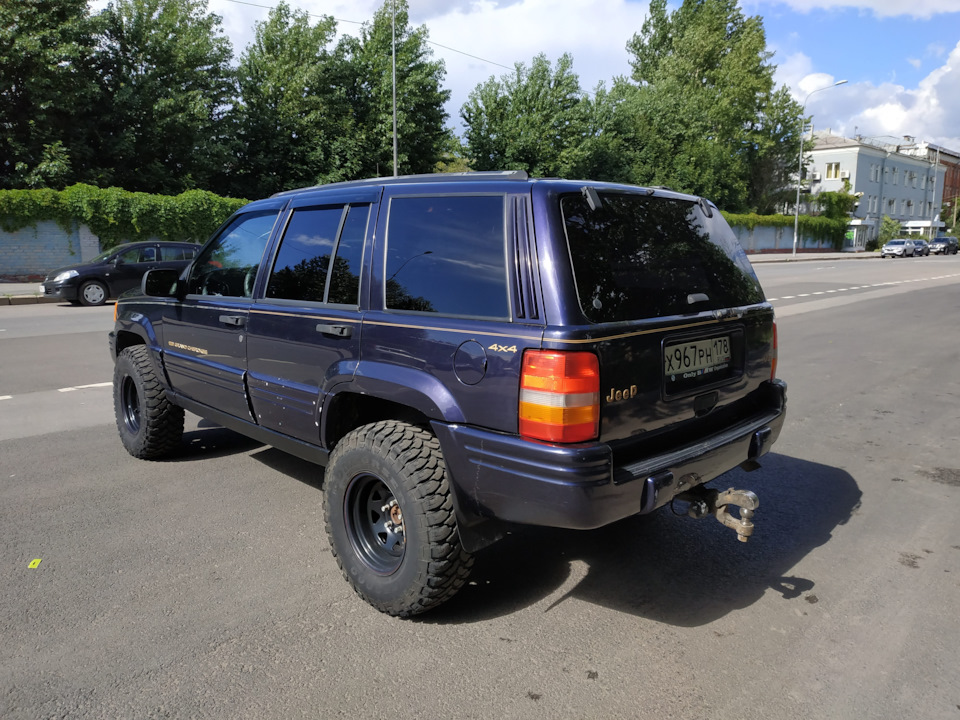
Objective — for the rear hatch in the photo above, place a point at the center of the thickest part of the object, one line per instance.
(674, 312)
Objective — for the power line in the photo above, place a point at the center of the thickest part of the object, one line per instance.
(357, 22)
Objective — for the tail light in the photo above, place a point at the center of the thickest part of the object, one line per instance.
(560, 396)
(773, 363)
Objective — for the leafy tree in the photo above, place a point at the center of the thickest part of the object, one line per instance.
(165, 68)
(365, 75)
(287, 115)
(533, 119)
(48, 92)
(889, 229)
(701, 114)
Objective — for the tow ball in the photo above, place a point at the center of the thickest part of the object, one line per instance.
(707, 501)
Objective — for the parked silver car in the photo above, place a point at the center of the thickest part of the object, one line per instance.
(898, 248)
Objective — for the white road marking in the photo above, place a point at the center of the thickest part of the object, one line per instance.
(85, 387)
(6, 397)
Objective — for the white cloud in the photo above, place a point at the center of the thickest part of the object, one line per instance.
(916, 62)
(929, 111)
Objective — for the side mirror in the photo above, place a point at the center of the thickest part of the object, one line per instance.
(161, 282)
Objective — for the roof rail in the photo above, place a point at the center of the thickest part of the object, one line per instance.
(482, 175)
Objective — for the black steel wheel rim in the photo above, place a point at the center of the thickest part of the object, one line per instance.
(130, 405)
(374, 524)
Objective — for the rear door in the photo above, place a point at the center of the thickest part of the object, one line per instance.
(303, 337)
(204, 337)
(676, 313)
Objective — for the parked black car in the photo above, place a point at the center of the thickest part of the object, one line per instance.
(464, 353)
(944, 245)
(115, 271)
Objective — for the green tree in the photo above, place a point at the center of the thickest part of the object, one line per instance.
(165, 68)
(701, 114)
(48, 93)
(288, 117)
(889, 229)
(535, 119)
(365, 76)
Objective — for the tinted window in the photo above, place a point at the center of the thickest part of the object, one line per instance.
(447, 255)
(175, 253)
(300, 271)
(640, 257)
(228, 265)
(130, 256)
(345, 276)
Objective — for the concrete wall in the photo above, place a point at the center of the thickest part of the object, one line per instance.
(37, 250)
(765, 239)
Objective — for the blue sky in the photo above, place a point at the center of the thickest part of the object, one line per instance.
(901, 58)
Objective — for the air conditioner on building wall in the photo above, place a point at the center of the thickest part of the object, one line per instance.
(815, 176)
(844, 174)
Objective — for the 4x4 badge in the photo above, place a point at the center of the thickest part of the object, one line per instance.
(503, 348)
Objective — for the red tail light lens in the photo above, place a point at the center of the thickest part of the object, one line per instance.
(560, 396)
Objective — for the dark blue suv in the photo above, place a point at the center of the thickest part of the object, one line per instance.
(465, 353)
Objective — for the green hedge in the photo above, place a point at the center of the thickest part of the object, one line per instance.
(115, 215)
(815, 226)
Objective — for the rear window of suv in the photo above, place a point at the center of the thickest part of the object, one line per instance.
(637, 257)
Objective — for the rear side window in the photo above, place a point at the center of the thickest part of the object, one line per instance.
(176, 253)
(447, 255)
(320, 255)
(638, 256)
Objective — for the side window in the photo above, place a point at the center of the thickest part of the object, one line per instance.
(300, 271)
(149, 254)
(228, 265)
(303, 269)
(345, 275)
(129, 256)
(447, 255)
(175, 253)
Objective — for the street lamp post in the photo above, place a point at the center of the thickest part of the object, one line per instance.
(796, 208)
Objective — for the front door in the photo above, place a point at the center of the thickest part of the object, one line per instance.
(205, 340)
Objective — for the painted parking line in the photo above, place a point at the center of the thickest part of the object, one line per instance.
(6, 397)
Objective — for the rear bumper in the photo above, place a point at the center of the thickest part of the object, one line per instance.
(502, 477)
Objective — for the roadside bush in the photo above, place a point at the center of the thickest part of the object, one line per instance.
(115, 215)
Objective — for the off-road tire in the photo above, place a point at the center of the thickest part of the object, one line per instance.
(400, 573)
(150, 426)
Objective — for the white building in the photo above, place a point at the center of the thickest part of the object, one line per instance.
(900, 181)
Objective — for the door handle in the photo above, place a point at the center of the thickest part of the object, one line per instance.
(337, 330)
(236, 320)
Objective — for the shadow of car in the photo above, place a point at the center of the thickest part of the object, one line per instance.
(115, 271)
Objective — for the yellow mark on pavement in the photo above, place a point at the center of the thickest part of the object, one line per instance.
(34, 563)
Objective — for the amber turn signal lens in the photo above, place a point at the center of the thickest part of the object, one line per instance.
(560, 396)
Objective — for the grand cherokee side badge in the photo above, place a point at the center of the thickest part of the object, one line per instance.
(625, 394)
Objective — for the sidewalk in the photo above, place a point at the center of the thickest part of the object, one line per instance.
(23, 294)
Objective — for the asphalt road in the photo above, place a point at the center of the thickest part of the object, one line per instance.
(204, 586)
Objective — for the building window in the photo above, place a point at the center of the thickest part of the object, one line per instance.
(913, 178)
(874, 204)
(903, 207)
(891, 206)
(923, 182)
(874, 172)
(896, 175)
(911, 206)
(833, 170)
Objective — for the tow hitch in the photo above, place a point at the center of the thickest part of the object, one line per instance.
(707, 501)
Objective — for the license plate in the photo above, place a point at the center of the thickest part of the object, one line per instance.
(695, 359)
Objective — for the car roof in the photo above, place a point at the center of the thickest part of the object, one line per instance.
(517, 176)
